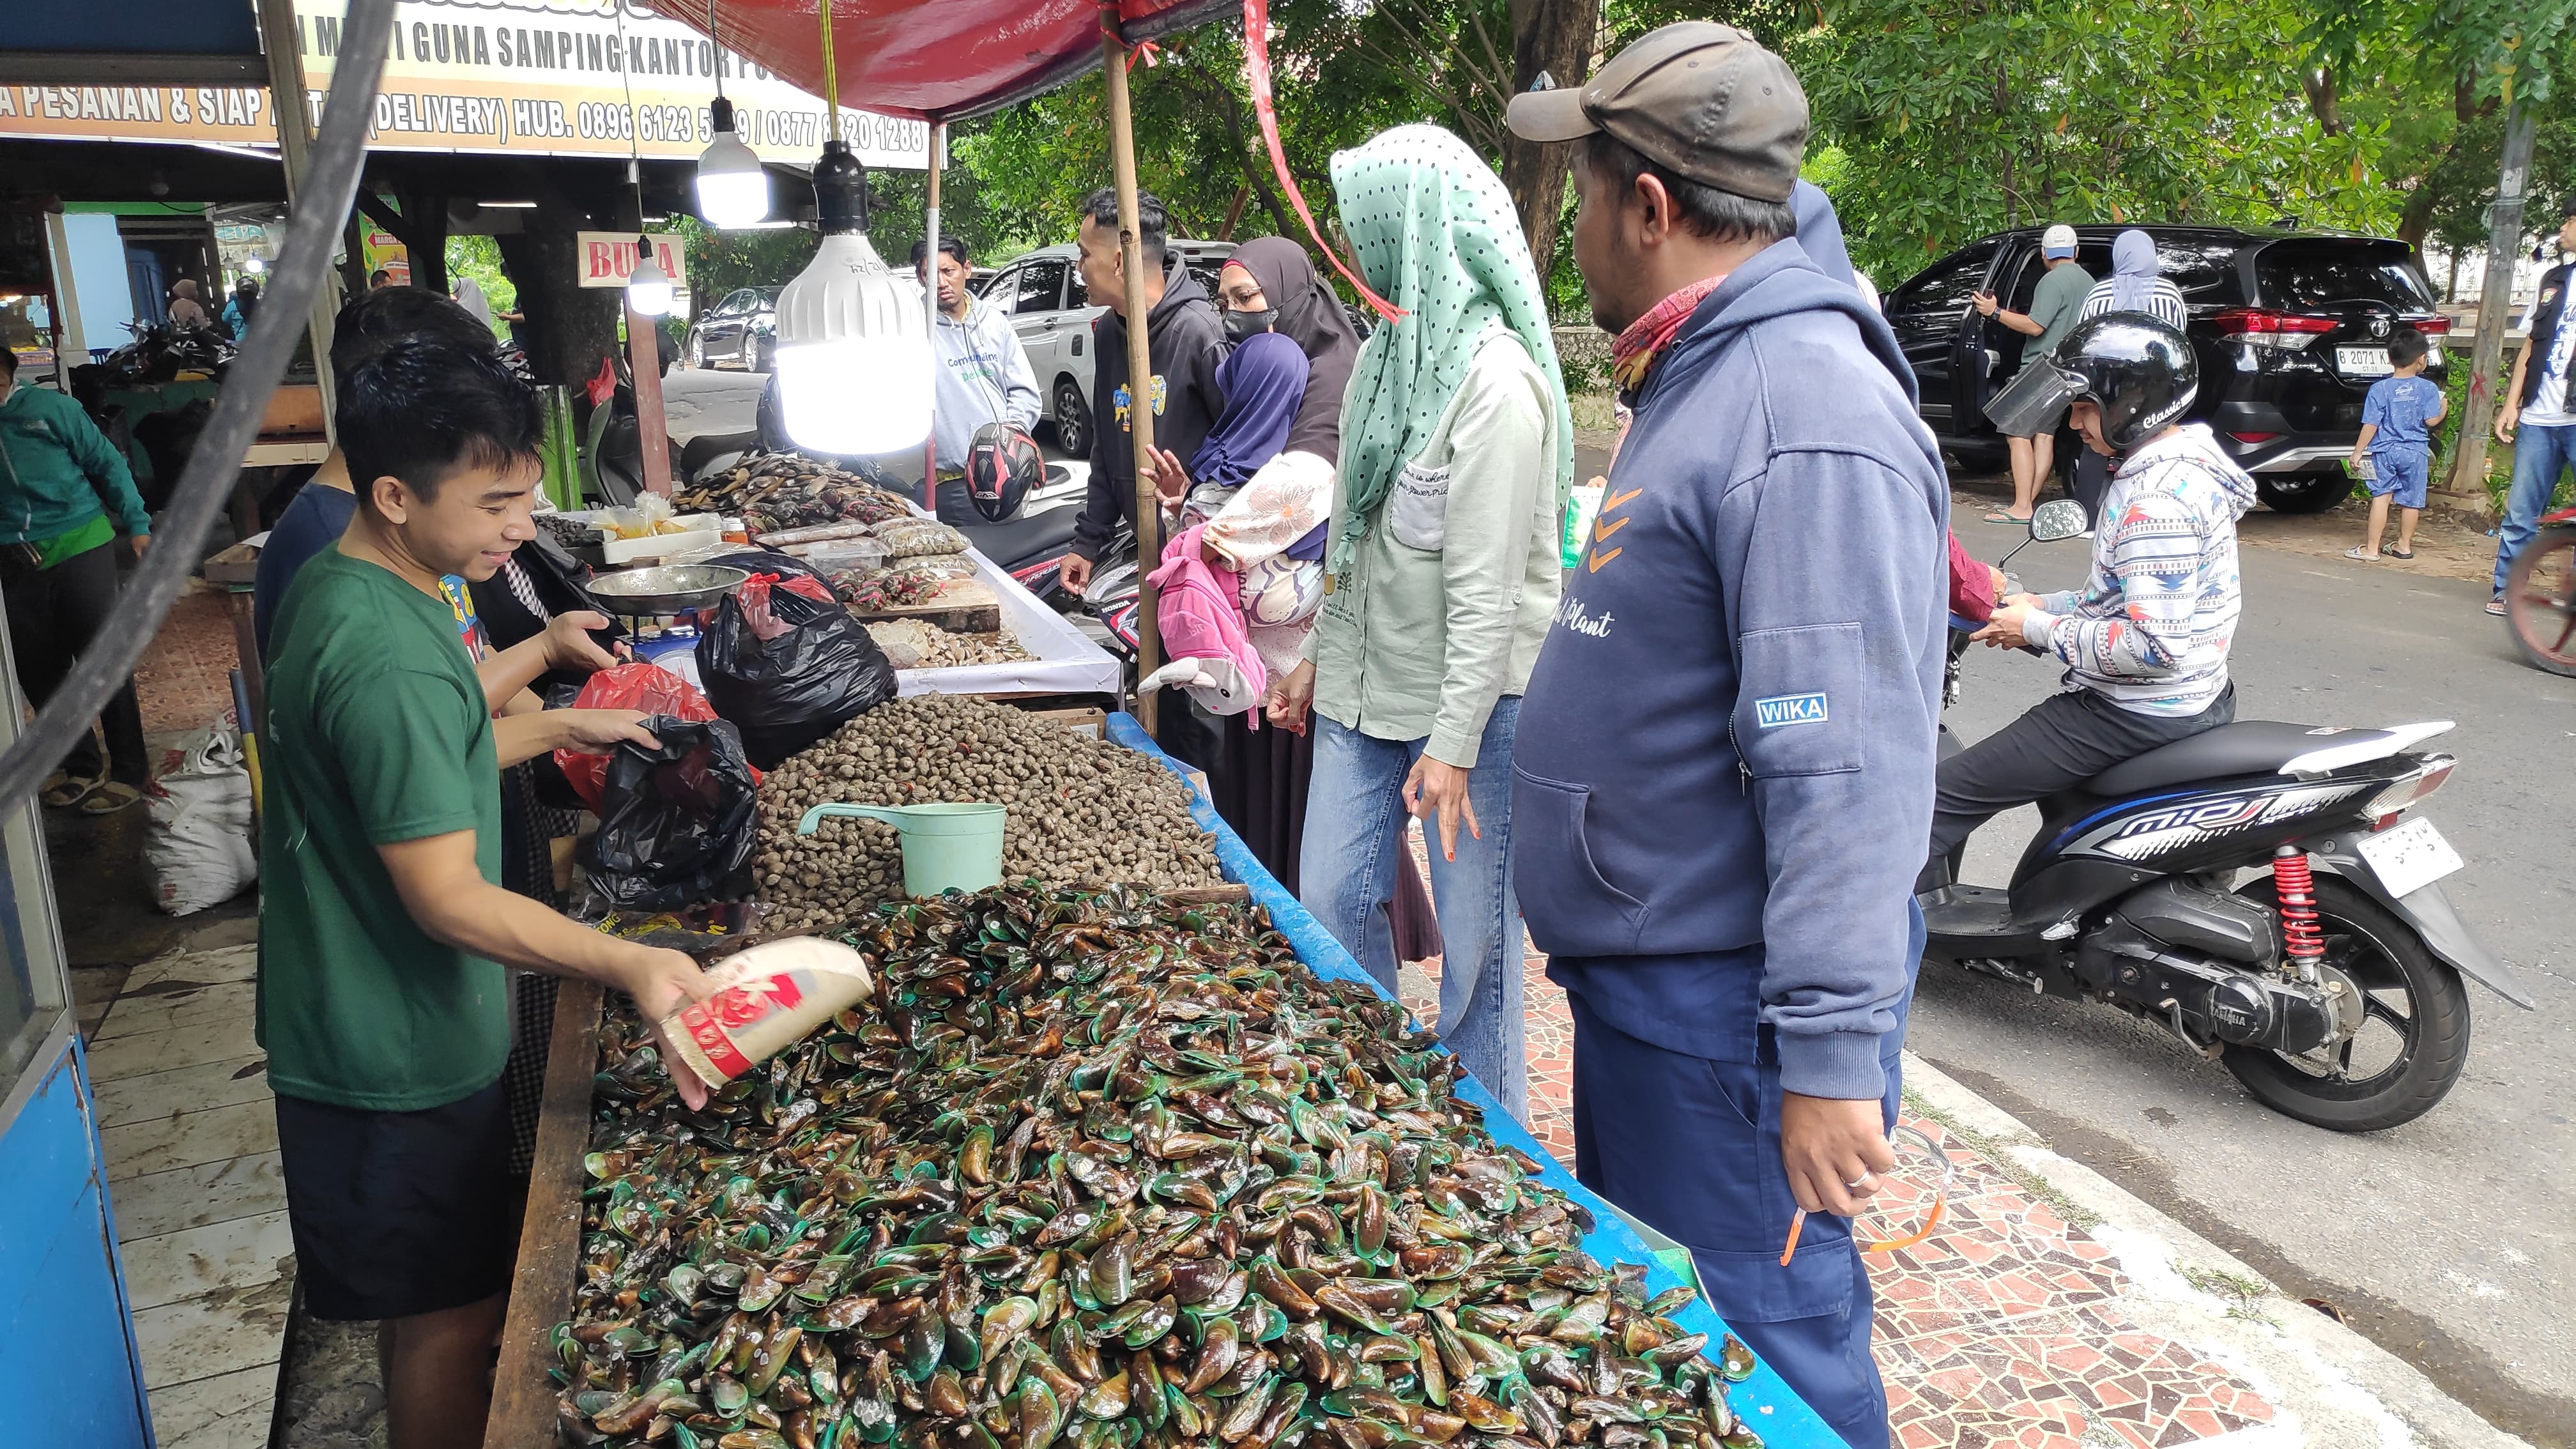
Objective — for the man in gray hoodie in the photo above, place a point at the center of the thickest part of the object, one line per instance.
(1726, 750)
(984, 373)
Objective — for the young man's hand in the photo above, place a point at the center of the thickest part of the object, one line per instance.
(664, 983)
(140, 542)
(2505, 420)
(1436, 790)
(597, 731)
(570, 647)
(1075, 573)
(1987, 306)
(2004, 627)
(1834, 1150)
(1171, 480)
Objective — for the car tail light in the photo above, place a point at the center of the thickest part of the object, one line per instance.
(2406, 790)
(2431, 327)
(2250, 439)
(2286, 331)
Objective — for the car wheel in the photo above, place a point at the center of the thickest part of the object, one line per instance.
(760, 355)
(2303, 492)
(697, 350)
(1072, 418)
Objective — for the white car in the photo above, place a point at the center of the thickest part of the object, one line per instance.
(1043, 294)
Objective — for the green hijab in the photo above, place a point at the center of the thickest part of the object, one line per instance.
(1437, 236)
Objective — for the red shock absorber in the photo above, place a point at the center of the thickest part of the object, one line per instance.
(2297, 890)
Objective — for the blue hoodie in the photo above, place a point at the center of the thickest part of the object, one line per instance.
(1761, 611)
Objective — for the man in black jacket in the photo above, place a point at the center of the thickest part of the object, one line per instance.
(1185, 340)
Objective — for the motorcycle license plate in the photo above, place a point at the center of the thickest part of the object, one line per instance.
(2409, 857)
(2363, 361)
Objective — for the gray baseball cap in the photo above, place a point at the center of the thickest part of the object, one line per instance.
(1705, 101)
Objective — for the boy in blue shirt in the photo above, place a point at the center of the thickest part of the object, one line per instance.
(2397, 421)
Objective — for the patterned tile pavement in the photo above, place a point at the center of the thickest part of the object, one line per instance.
(2005, 1328)
(185, 679)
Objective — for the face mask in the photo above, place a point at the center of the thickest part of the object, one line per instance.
(1240, 325)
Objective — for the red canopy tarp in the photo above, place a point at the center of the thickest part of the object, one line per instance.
(936, 60)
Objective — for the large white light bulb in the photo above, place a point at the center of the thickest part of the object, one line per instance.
(732, 189)
(853, 362)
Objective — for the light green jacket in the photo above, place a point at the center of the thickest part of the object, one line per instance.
(1451, 594)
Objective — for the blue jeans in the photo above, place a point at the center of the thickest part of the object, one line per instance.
(1355, 824)
(2540, 452)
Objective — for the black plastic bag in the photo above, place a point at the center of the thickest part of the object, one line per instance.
(677, 825)
(793, 688)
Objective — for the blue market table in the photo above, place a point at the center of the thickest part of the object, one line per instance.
(523, 1400)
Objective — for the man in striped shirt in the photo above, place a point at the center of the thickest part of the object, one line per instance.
(2145, 640)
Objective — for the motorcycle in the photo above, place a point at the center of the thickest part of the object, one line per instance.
(2330, 983)
(159, 353)
(2540, 595)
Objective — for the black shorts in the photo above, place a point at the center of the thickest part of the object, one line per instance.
(398, 1213)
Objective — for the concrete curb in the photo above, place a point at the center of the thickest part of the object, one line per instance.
(2334, 1388)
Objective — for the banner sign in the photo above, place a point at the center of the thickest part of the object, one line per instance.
(534, 77)
(608, 257)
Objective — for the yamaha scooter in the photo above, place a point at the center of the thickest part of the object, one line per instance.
(2268, 892)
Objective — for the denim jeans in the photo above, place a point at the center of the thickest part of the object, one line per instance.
(2540, 451)
(1355, 824)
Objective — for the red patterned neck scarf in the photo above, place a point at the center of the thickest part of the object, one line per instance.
(1633, 352)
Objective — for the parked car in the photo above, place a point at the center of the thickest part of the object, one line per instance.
(2291, 329)
(741, 331)
(1044, 296)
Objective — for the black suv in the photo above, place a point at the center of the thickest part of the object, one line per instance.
(2291, 329)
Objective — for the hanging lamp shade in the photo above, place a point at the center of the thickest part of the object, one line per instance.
(853, 361)
(732, 189)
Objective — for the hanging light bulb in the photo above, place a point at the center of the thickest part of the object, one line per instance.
(732, 189)
(648, 289)
(853, 360)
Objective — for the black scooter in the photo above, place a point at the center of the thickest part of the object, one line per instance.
(2259, 889)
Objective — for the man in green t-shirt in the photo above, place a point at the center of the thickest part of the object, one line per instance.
(2054, 305)
(383, 931)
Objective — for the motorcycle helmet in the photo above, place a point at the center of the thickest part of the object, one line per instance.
(1002, 465)
(2139, 371)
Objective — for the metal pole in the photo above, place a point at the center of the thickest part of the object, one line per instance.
(2486, 355)
(282, 41)
(930, 312)
(1140, 366)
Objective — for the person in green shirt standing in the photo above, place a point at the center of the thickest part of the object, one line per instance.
(2054, 306)
(1442, 578)
(383, 930)
(59, 477)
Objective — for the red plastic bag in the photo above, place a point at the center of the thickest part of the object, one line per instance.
(648, 687)
(754, 594)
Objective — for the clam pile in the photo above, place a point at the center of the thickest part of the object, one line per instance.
(1095, 1171)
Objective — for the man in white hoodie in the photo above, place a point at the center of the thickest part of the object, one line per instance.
(984, 375)
(2145, 640)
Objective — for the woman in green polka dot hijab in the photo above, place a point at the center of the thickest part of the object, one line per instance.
(1457, 451)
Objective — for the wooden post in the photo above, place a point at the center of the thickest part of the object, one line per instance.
(289, 104)
(930, 313)
(2487, 374)
(652, 427)
(1140, 366)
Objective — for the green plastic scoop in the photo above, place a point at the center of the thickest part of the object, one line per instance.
(945, 847)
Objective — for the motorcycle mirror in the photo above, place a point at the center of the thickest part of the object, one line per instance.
(2056, 519)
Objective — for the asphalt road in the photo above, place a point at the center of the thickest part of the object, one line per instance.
(2451, 1240)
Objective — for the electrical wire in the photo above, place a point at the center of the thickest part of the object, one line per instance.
(831, 78)
(322, 206)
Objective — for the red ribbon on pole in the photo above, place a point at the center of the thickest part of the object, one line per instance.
(1256, 70)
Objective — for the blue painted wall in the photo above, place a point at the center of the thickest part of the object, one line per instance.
(188, 27)
(63, 1327)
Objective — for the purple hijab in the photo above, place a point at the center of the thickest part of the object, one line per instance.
(1264, 380)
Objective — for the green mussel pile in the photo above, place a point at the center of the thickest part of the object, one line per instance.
(1100, 1171)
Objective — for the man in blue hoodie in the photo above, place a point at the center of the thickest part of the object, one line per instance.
(1726, 750)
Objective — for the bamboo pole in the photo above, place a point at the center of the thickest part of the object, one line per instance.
(1140, 365)
(930, 312)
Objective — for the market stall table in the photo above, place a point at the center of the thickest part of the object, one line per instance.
(524, 1408)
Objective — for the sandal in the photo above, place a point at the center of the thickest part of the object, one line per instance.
(1998, 515)
(63, 790)
(2401, 553)
(110, 797)
(2495, 606)
(2357, 556)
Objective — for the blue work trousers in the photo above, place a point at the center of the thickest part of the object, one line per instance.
(1692, 1147)
(2541, 451)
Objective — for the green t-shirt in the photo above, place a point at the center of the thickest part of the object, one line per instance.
(2054, 306)
(377, 733)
